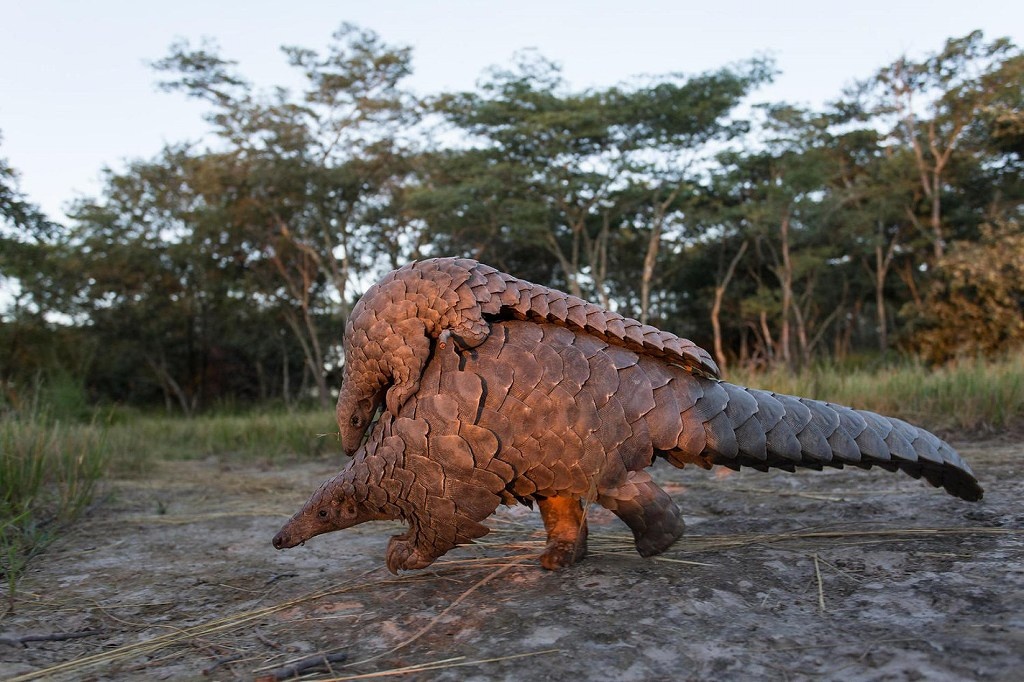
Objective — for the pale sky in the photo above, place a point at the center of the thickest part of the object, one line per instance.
(76, 93)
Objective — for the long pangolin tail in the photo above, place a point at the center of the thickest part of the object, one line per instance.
(754, 428)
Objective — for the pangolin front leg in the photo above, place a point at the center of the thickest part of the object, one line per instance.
(567, 531)
(407, 553)
(649, 512)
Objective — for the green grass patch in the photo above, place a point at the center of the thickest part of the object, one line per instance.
(968, 395)
(48, 474)
(136, 441)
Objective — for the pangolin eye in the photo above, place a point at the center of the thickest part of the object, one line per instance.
(354, 420)
(322, 513)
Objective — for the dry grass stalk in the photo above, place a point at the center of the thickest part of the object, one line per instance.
(821, 588)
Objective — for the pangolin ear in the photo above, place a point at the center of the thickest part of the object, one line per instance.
(348, 509)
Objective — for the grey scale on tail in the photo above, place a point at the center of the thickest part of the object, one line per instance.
(542, 413)
(393, 328)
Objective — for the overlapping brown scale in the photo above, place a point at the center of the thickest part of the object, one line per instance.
(918, 441)
(437, 411)
(663, 422)
(475, 501)
(575, 369)
(693, 437)
(638, 395)
(576, 314)
(508, 299)
(597, 320)
(542, 478)
(496, 422)
(488, 481)
(603, 382)
(516, 372)
(720, 437)
(540, 304)
(637, 451)
(570, 417)
(466, 388)
(483, 443)
(550, 363)
(613, 429)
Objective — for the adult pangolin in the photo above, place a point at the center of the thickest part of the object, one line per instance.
(543, 413)
(393, 327)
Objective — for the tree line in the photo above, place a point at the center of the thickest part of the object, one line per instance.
(886, 222)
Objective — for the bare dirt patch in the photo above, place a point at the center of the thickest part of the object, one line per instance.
(851, 574)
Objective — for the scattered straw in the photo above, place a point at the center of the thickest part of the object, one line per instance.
(183, 635)
(182, 519)
(439, 665)
(433, 621)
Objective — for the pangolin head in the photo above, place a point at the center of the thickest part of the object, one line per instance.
(332, 507)
(385, 357)
(357, 403)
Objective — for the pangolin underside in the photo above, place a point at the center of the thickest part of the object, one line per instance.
(390, 334)
(542, 413)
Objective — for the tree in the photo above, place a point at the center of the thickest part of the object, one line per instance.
(975, 305)
(776, 199)
(929, 107)
(31, 280)
(303, 182)
(594, 178)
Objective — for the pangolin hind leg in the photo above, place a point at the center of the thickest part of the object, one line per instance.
(648, 510)
(567, 531)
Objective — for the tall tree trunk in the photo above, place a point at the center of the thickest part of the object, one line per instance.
(286, 389)
(716, 306)
(650, 258)
(300, 285)
(883, 261)
(906, 274)
(940, 150)
(261, 380)
(784, 272)
(314, 361)
(170, 385)
(769, 344)
(653, 247)
(568, 268)
(597, 257)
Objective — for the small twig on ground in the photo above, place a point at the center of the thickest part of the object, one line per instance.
(221, 661)
(20, 642)
(281, 576)
(269, 642)
(303, 666)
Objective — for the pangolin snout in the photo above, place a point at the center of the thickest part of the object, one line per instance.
(281, 541)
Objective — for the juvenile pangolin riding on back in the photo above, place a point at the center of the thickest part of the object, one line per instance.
(393, 327)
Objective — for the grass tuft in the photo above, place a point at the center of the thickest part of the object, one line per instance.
(48, 474)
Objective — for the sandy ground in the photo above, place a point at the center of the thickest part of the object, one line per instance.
(842, 574)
